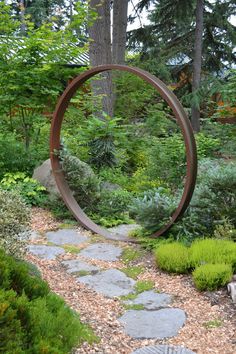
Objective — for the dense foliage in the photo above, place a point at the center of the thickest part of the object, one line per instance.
(15, 217)
(34, 320)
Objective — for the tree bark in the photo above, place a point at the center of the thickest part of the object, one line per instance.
(120, 10)
(100, 51)
(197, 62)
(22, 17)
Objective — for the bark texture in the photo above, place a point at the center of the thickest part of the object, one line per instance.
(197, 62)
(120, 10)
(100, 51)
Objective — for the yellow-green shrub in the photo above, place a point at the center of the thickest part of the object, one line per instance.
(173, 257)
(212, 276)
(213, 251)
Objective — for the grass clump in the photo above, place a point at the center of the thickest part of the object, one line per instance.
(143, 285)
(173, 257)
(213, 251)
(134, 307)
(133, 272)
(212, 276)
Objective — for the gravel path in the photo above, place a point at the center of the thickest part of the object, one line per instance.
(211, 317)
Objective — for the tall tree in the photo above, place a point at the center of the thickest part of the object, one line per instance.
(192, 33)
(100, 50)
(120, 10)
(103, 49)
(197, 62)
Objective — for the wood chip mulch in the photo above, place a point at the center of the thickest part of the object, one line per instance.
(211, 317)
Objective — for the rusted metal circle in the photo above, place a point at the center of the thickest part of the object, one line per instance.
(182, 120)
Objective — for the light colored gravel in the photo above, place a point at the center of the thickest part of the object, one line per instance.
(102, 313)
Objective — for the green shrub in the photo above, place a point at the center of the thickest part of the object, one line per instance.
(17, 275)
(14, 221)
(212, 276)
(213, 251)
(32, 319)
(153, 210)
(29, 189)
(81, 179)
(173, 257)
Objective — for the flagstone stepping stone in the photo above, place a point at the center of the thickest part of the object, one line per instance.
(34, 235)
(66, 237)
(163, 349)
(110, 283)
(102, 251)
(46, 252)
(150, 300)
(143, 324)
(121, 232)
(75, 266)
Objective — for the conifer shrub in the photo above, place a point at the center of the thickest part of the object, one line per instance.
(213, 251)
(32, 319)
(212, 276)
(173, 257)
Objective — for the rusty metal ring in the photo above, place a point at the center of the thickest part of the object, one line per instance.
(182, 121)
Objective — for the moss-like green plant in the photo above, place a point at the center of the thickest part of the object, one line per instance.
(134, 307)
(143, 285)
(213, 324)
(213, 251)
(130, 254)
(71, 249)
(173, 257)
(212, 276)
(132, 272)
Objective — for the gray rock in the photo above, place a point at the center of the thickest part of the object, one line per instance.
(75, 265)
(45, 252)
(121, 232)
(44, 175)
(151, 300)
(102, 251)
(163, 349)
(159, 324)
(34, 235)
(110, 283)
(66, 237)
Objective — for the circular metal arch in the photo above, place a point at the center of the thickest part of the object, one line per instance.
(182, 120)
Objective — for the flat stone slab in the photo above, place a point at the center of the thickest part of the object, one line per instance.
(34, 235)
(163, 349)
(110, 283)
(46, 252)
(75, 266)
(121, 232)
(150, 300)
(102, 251)
(143, 324)
(66, 237)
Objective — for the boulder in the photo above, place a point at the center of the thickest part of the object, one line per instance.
(44, 175)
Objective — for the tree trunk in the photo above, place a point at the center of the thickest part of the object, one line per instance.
(100, 51)
(197, 62)
(120, 10)
(22, 17)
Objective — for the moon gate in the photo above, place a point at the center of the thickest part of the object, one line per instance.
(181, 118)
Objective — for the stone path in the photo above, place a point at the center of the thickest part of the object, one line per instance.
(155, 319)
